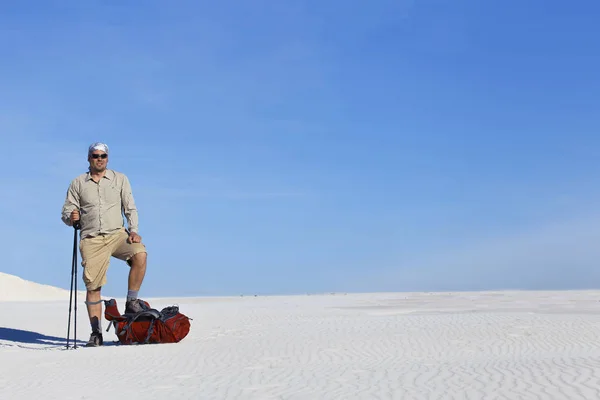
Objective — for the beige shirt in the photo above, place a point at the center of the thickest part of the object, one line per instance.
(101, 205)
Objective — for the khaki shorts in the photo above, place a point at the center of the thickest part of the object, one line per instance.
(96, 252)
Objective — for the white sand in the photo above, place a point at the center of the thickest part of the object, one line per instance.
(500, 345)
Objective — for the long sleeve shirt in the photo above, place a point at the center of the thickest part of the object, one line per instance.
(101, 204)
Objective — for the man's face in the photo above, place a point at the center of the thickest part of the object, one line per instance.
(98, 160)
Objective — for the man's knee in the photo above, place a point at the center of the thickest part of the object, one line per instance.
(93, 297)
(138, 258)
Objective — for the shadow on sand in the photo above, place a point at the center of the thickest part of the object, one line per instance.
(29, 337)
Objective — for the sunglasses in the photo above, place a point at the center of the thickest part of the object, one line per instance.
(99, 155)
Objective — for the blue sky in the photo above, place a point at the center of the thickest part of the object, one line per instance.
(310, 146)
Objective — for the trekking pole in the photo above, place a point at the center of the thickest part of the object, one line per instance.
(71, 295)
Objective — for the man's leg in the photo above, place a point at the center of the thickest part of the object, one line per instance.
(95, 260)
(135, 254)
(94, 308)
(137, 272)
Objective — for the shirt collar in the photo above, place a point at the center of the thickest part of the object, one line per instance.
(108, 175)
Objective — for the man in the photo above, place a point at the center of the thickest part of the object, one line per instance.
(97, 200)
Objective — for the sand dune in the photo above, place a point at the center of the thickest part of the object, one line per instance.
(486, 345)
(14, 288)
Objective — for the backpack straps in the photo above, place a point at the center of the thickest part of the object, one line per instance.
(115, 318)
(152, 313)
(131, 318)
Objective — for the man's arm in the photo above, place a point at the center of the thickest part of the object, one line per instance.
(71, 203)
(129, 208)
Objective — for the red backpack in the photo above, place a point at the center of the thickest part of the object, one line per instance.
(149, 326)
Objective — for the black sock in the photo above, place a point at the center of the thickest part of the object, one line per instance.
(96, 325)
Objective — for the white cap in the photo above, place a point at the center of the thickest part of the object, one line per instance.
(98, 146)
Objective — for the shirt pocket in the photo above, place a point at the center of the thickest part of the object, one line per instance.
(112, 194)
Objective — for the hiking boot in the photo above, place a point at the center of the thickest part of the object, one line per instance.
(134, 306)
(95, 340)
